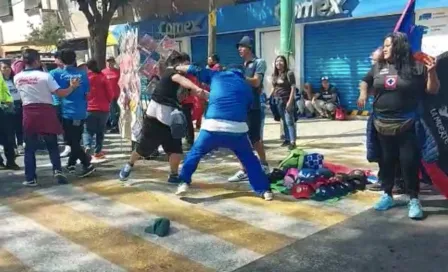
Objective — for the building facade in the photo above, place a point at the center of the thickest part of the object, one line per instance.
(17, 15)
(333, 38)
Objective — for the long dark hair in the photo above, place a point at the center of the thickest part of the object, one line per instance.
(276, 73)
(401, 54)
(11, 76)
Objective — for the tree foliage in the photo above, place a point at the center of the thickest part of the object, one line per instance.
(49, 33)
(99, 15)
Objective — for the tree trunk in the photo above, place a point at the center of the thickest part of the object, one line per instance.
(98, 39)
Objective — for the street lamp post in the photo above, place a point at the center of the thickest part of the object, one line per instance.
(211, 27)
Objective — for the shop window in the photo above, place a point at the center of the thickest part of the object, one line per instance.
(31, 5)
(6, 9)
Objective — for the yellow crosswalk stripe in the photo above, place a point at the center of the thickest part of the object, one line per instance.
(123, 249)
(291, 208)
(233, 231)
(363, 197)
(9, 263)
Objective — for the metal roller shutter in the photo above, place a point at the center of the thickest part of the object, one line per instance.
(225, 47)
(341, 50)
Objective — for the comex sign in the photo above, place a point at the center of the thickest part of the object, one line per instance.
(315, 8)
(179, 29)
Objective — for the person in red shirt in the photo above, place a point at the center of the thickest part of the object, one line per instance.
(98, 105)
(113, 76)
(213, 63)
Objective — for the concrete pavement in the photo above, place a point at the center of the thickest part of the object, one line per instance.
(97, 224)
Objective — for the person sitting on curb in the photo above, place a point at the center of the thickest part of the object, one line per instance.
(326, 101)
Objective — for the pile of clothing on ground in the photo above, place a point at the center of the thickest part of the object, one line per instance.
(304, 176)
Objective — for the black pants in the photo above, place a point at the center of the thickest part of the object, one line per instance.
(18, 122)
(7, 137)
(402, 149)
(186, 109)
(73, 133)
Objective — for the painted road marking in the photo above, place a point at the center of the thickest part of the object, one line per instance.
(236, 232)
(128, 251)
(202, 248)
(10, 263)
(43, 250)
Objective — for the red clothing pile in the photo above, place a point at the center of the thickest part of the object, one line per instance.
(100, 95)
(113, 76)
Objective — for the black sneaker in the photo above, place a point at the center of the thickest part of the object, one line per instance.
(292, 146)
(60, 177)
(31, 183)
(71, 169)
(285, 143)
(2, 165)
(375, 187)
(87, 171)
(12, 166)
(174, 178)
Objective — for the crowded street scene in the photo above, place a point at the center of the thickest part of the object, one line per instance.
(246, 136)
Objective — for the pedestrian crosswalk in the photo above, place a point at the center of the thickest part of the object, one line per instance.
(98, 224)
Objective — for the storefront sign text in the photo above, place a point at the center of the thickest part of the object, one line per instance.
(320, 8)
(315, 8)
(179, 29)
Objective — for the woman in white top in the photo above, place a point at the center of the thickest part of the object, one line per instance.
(8, 76)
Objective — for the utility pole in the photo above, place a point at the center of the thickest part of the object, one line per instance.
(287, 29)
(211, 27)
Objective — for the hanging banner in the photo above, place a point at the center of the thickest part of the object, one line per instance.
(435, 24)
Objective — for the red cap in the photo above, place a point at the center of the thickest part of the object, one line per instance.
(302, 190)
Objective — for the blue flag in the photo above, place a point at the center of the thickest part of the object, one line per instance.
(406, 24)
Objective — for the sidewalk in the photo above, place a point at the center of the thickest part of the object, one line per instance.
(341, 142)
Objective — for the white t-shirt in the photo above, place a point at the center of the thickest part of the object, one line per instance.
(35, 87)
(160, 112)
(13, 90)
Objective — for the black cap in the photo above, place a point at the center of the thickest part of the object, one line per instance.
(30, 55)
(246, 41)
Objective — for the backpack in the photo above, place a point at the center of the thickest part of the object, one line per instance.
(293, 160)
(340, 114)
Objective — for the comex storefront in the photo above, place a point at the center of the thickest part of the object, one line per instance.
(334, 38)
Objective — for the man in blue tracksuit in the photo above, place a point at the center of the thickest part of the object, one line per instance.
(225, 126)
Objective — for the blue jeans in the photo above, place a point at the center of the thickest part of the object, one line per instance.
(114, 114)
(287, 118)
(239, 143)
(32, 143)
(95, 126)
(263, 117)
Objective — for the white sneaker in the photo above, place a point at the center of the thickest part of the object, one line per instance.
(239, 176)
(268, 196)
(66, 151)
(20, 150)
(182, 189)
